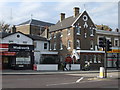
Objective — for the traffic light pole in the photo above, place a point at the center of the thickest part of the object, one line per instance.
(105, 56)
(105, 62)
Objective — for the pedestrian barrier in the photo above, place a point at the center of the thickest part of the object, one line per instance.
(102, 72)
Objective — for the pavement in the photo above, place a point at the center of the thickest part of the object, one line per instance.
(33, 72)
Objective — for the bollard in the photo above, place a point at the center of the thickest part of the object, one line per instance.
(102, 72)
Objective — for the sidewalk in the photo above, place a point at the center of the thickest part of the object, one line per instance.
(32, 72)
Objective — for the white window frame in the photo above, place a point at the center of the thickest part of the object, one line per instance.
(61, 34)
(92, 32)
(78, 30)
(68, 44)
(54, 35)
(91, 44)
(44, 46)
(54, 45)
(68, 31)
(95, 59)
(61, 46)
(78, 44)
(115, 42)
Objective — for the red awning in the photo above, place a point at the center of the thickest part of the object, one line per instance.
(8, 53)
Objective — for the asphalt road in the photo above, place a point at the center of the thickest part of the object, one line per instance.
(60, 81)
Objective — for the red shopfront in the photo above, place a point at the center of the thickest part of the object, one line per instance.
(17, 56)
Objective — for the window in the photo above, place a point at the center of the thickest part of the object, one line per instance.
(35, 44)
(95, 59)
(116, 42)
(25, 42)
(85, 35)
(78, 30)
(54, 46)
(50, 36)
(61, 45)
(45, 45)
(78, 44)
(50, 47)
(54, 35)
(91, 45)
(61, 34)
(99, 58)
(91, 58)
(10, 41)
(18, 36)
(91, 32)
(69, 44)
(68, 31)
(86, 59)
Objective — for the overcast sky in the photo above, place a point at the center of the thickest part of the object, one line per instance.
(49, 11)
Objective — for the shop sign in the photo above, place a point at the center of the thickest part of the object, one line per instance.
(8, 53)
(17, 47)
(3, 45)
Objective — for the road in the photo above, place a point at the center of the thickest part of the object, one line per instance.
(60, 81)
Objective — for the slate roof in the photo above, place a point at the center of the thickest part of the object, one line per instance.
(34, 37)
(36, 22)
(67, 22)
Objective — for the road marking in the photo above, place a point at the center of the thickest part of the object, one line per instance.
(79, 80)
(60, 84)
(66, 83)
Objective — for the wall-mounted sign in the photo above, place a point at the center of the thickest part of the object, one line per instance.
(17, 47)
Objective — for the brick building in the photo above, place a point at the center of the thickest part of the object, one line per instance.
(75, 36)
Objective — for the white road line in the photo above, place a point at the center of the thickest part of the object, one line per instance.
(79, 80)
(66, 83)
(60, 84)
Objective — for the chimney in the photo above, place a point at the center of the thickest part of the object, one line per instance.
(117, 30)
(62, 16)
(13, 29)
(76, 11)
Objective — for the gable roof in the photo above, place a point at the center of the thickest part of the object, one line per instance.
(67, 22)
(33, 37)
(36, 22)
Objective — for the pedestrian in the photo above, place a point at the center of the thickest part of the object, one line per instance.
(65, 66)
(117, 64)
(69, 66)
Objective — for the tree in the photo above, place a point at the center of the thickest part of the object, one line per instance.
(4, 27)
(103, 27)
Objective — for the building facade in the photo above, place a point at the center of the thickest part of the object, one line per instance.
(22, 51)
(75, 36)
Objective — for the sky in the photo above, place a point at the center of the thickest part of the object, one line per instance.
(16, 12)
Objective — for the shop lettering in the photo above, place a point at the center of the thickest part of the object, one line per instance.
(18, 47)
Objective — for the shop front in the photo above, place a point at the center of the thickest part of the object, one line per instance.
(18, 57)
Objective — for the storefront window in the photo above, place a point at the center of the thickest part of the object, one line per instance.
(23, 60)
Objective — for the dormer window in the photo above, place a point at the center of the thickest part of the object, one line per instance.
(78, 30)
(68, 31)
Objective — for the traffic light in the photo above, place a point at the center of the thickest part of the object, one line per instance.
(109, 45)
(101, 42)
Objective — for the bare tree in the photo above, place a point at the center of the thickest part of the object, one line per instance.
(4, 27)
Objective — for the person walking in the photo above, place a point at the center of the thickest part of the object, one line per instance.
(65, 66)
(117, 64)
